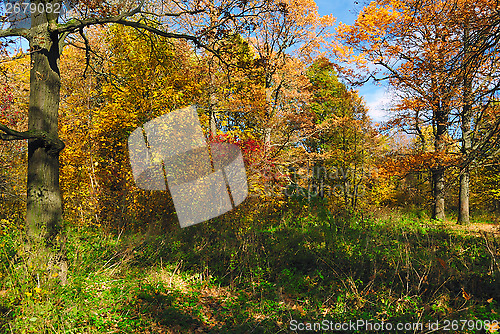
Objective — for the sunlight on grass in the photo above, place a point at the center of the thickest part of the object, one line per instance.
(384, 269)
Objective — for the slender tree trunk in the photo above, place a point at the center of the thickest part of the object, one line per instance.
(463, 205)
(267, 129)
(466, 117)
(438, 194)
(44, 200)
(438, 173)
(463, 198)
(441, 111)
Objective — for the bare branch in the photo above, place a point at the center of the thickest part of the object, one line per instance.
(53, 144)
(76, 24)
(87, 52)
(14, 32)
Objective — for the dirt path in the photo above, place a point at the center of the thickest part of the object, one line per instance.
(475, 228)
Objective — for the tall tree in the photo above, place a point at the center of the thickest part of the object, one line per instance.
(299, 31)
(343, 140)
(476, 64)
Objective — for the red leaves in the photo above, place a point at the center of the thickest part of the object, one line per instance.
(6, 101)
(6, 98)
(403, 164)
(249, 147)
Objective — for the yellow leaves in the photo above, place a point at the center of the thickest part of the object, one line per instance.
(143, 85)
(36, 293)
(5, 223)
(360, 59)
(366, 39)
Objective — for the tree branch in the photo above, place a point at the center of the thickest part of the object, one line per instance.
(76, 24)
(53, 144)
(15, 32)
(87, 52)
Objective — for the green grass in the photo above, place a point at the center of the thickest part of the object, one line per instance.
(253, 277)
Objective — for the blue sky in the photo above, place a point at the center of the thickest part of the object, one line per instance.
(346, 11)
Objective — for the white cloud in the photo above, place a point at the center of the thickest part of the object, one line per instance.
(378, 100)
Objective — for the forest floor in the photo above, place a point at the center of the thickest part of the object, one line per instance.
(264, 275)
(476, 228)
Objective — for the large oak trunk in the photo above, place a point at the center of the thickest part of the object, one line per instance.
(44, 200)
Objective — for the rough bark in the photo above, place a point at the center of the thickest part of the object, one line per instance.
(44, 200)
(438, 194)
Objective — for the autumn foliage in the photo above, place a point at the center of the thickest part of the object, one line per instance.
(304, 131)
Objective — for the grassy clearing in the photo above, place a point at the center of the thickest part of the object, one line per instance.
(226, 277)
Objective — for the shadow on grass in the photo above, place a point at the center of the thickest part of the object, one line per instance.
(5, 317)
(416, 268)
(256, 277)
(177, 312)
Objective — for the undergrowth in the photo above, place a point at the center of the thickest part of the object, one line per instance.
(255, 276)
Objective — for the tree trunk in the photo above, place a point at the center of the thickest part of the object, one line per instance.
(466, 120)
(438, 172)
(44, 200)
(438, 194)
(463, 198)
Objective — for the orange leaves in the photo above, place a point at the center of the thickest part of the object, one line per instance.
(102, 8)
(373, 23)
(404, 164)
(393, 34)
(465, 295)
(376, 20)
(303, 12)
(298, 26)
